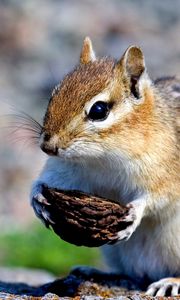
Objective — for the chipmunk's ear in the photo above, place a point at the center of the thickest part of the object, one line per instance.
(132, 64)
(87, 52)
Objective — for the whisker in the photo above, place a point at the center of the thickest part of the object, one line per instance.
(22, 127)
(25, 119)
(32, 140)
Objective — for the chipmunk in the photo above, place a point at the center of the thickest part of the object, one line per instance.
(110, 131)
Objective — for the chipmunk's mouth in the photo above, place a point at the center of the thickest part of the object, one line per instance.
(66, 154)
(78, 154)
(78, 149)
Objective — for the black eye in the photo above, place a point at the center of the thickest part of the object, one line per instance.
(99, 111)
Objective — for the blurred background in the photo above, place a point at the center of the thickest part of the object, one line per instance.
(40, 41)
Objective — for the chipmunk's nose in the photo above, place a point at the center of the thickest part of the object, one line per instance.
(48, 147)
(50, 150)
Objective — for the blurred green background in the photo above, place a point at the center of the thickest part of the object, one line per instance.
(36, 247)
(40, 41)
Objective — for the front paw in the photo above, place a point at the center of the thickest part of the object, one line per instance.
(165, 287)
(40, 206)
(132, 220)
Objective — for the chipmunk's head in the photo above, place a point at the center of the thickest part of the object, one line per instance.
(96, 108)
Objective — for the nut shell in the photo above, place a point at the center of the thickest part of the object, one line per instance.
(84, 220)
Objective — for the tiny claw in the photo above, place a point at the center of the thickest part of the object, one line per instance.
(47, 217)
(164, 286)
(40, 198)
(46, 202)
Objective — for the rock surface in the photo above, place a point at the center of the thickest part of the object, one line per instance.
(74, 286)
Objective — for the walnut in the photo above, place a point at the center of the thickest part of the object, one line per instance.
(83, 219)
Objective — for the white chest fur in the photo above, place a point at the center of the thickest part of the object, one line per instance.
(152, 250)
(104, 180)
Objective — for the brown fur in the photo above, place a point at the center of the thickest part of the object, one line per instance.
(86, 81)
(137, 144)
(86, 53)
(150, 130)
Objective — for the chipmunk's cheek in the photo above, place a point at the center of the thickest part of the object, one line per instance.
(61, 152)
(65, 154)
(72, 152)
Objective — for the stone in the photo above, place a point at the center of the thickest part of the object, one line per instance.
(75, 287)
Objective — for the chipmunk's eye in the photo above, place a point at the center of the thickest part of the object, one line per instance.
(99, 111)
